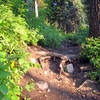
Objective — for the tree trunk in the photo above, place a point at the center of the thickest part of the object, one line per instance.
(94, 19)
(36, 8)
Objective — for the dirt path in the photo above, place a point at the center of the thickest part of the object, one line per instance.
(59, 87)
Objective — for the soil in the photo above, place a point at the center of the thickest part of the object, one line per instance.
(60, 87)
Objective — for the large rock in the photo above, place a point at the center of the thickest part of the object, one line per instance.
(69, 68)
(42, 85)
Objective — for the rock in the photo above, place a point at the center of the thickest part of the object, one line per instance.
(70, 68)
(33, 60)
(45, 72)
(42, 85)
(84, 68)
(48, 90)
(88, 86)
(83, 96)
(85, 75)
(74, 84)
(40, 91)
(62, 46)
(51, 72)
(45, 95)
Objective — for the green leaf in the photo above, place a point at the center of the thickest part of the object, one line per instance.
(28, 88)
(4, 74)
(2, 67)
(2, 54)
(3, 89)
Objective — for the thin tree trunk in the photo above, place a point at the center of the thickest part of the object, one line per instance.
(36, 8)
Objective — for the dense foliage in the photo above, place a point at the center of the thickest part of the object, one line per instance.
(91, 50)
(80, 36)
(14, 36)
(19, 28)
(52, 36)
(18, 6)
(67, 14)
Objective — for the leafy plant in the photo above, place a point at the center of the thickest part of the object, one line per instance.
(30, 85)
(80, 36)
(52, 36)
(91, 50)
(19, 7)
(14, 36)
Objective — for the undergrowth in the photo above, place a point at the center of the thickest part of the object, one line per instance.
(91, 51)
(52, 36)
(80, 36)
(17, 30)
(14, 36)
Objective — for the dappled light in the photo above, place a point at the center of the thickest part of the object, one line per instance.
(49, 50)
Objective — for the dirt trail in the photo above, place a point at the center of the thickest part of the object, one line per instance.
(60, 87)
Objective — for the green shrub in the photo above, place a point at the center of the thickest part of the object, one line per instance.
(80, 36)
(52, 36)
(14, 34)
(19, 7)
(91, 50)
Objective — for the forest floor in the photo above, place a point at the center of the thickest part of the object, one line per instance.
(52, 86)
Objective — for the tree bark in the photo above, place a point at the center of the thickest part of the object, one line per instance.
(94, 19)
(36, 8)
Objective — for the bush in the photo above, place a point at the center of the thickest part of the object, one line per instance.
(91, 50)
(52, 36)
(80, 36)
(14, 34)
(18, 7)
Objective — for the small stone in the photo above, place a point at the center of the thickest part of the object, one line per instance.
(48, 90)
(83, 68)
(42, 85)
(73, 83)
(70, 68)
(62, 46)
(40, 91)
(51, 72)
(84, 96)
(45, 72)
(45, 95)
(85, 75)
(33, 60)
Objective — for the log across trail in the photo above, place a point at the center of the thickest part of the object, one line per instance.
(54, 81)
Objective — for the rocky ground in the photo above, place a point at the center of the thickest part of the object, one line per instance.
(50, 85)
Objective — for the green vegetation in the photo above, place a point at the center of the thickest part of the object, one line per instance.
(67, 14)
(14, 36)
(91, 50)
(80, 36)
(52, 36)
(19, 28)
